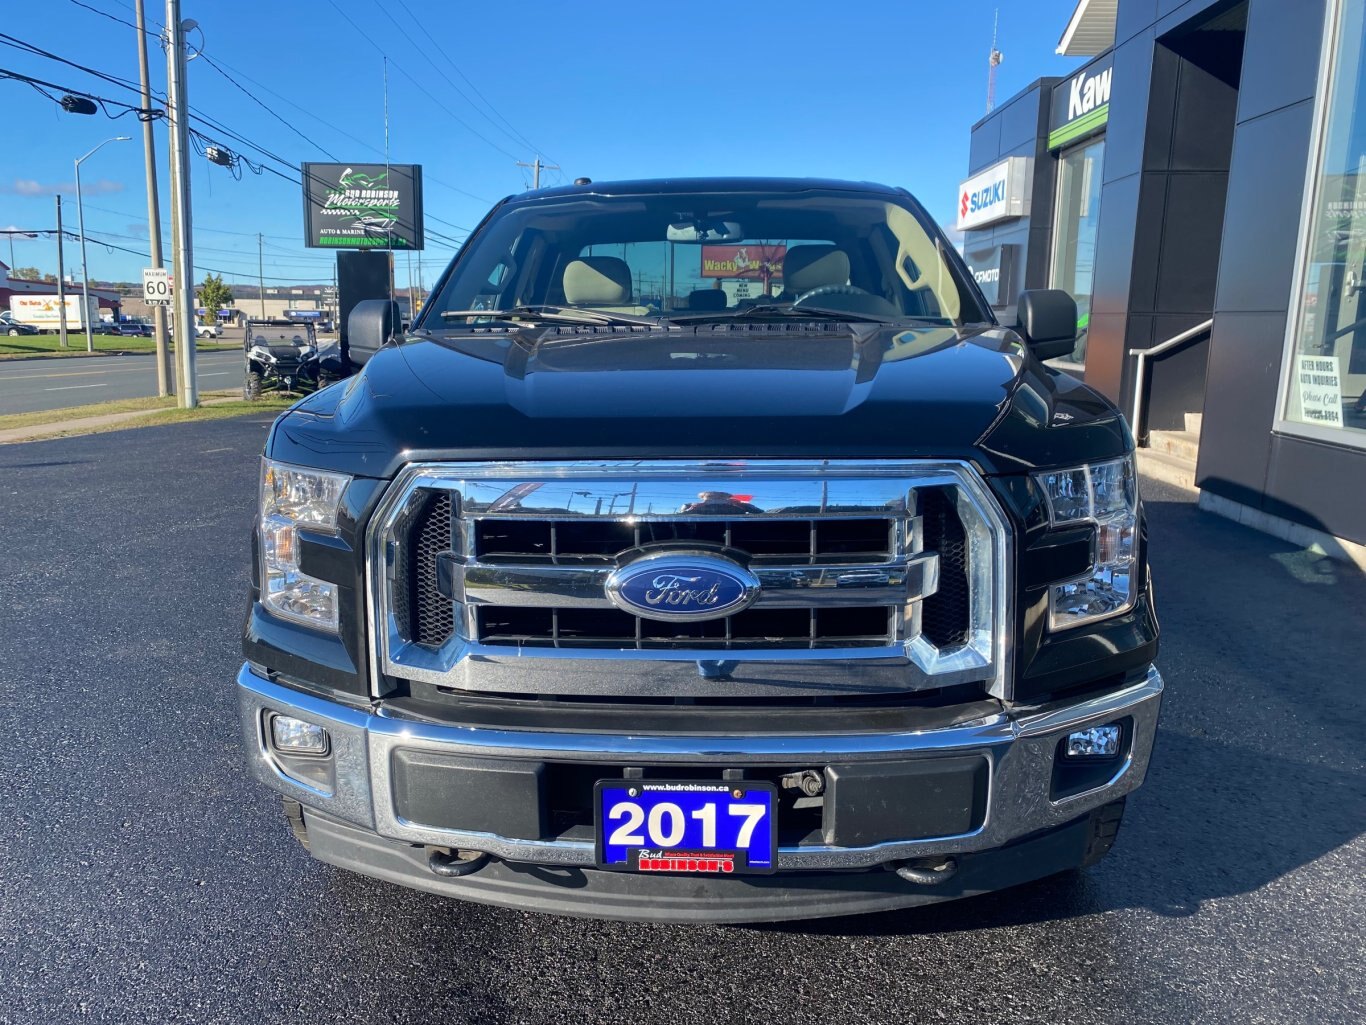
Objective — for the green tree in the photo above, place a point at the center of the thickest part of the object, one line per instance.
(31, 274)
(213, 295)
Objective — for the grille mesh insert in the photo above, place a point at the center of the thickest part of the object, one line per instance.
(430, 615)
(946, 613)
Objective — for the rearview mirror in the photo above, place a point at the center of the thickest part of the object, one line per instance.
(369, 327)
(1046, 318)
(713, 231)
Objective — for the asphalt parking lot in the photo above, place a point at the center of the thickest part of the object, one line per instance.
(143, 878)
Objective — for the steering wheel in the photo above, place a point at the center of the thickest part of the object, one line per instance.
(830, 290)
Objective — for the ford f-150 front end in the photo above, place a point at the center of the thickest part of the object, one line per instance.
(814, 596)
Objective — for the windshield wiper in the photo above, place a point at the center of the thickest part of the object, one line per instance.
(555, 314)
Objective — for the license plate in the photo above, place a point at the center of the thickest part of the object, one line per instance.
(695, 828)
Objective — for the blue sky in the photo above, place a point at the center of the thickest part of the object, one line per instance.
(876, 90)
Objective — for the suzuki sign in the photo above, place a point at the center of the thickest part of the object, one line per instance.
(999, 193)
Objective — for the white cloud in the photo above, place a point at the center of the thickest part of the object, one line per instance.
(31, 187)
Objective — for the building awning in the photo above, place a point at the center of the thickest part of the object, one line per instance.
(1091, 29)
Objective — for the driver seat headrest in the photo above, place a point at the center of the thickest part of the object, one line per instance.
(597, 281)
(814, 266)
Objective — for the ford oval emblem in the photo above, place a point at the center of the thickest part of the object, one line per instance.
(687, 586)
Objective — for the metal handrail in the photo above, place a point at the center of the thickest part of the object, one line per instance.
(1140, 386)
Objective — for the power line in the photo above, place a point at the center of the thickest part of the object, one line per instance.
(421, 88)
(220, 65)
(508, 131)
(211, 63)
(522, 139)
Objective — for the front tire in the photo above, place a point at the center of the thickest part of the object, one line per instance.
(251, 389)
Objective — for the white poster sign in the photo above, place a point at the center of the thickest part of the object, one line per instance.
(1320, 387)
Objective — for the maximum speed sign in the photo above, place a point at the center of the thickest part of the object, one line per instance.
(156, 286)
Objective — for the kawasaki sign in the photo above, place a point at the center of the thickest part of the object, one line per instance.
(996, 194)
(1081, 104)
(363, 206)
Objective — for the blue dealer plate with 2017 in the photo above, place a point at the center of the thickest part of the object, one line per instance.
(696, 828)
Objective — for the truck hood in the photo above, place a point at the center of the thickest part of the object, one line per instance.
(730, 390)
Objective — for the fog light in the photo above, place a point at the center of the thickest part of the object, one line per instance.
(1096, 742)
(294, 736)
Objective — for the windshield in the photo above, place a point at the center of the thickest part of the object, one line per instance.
(707, 255)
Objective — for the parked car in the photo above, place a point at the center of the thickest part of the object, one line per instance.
(133, 329)
(14, 328)
(208, 331)
(829, 603)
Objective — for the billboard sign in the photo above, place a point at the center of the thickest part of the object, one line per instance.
(363, 206)
(754, 262)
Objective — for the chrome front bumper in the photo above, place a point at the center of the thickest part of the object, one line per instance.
(1019, 750)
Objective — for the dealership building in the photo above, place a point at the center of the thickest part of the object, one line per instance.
(1199, 185)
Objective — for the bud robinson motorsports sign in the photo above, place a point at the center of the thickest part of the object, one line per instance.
(363, 206)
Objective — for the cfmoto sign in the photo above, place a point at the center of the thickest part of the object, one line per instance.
(997, 194)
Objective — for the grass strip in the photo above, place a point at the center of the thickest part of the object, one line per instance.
(47, 346)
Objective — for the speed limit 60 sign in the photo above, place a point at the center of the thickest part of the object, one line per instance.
(156, 286)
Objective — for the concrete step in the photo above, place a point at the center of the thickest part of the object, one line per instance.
(1164, 466)
(1193, 421)
(1177, 443)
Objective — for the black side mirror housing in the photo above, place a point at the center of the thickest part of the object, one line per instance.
(369, 327)
(1046, 318)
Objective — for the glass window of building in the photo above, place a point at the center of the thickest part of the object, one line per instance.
(1326, 362)
(1074, 230)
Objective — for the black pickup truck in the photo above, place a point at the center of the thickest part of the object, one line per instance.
(705, 551)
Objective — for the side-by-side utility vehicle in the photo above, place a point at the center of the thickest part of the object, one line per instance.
(704, 551)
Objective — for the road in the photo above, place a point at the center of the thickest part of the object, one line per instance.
(143, 878)
(29, 385)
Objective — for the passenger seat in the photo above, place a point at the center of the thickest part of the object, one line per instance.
(600, 283)
(813, 266)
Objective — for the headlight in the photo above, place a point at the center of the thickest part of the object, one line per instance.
(292, 497)
(1106, 495)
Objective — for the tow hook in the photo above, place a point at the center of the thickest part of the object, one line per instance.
(449, 863)
(928, 871)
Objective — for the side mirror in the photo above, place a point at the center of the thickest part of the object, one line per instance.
(1046, 318)
(369, 327)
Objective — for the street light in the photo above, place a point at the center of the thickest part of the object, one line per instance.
(85, 274)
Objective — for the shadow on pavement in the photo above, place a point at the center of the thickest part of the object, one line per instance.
(1258, 768)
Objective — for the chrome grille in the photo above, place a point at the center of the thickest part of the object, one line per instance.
(875, 578)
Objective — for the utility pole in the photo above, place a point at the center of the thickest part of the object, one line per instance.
(165, 374)
(178, 109)
(261, 272)
(61, 278)
(536, 168)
